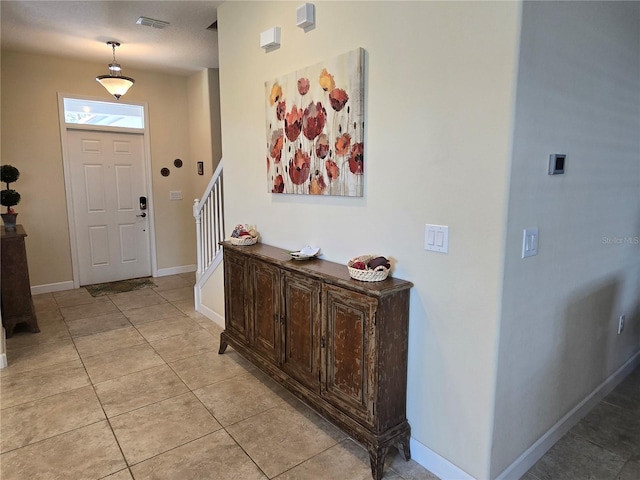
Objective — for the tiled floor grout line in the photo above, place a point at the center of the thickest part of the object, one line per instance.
(95, 392)
(222, 427)
(46, 396)
(191, 391)
(319, 453)
(147, 342)
(57, 434)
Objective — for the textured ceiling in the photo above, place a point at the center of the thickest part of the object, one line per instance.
(80, 30)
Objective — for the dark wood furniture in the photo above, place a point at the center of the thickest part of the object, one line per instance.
(338, 344)
(17, 306)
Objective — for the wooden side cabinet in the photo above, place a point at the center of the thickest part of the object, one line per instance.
(338, 344)
(17, 305)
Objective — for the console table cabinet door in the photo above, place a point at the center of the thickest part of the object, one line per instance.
(236, 271)
(350, 353)
(301, 329)
(265, 310)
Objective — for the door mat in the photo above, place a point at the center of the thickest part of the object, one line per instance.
(100, 289)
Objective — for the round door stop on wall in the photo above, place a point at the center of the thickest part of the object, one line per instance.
(177, 162)
(165, 172)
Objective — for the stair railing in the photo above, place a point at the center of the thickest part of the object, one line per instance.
(209, 215)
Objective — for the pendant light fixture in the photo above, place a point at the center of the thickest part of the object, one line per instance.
(115, 83)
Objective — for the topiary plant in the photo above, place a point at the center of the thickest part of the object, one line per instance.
(9, 197)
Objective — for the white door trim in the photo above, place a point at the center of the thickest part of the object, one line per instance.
(67, 179)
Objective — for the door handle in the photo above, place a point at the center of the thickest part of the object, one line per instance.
(143, 214)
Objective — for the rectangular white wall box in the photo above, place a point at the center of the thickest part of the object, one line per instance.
(529, 242)
(436, 238)
(175, 195)
(306, 15)
(270, 38)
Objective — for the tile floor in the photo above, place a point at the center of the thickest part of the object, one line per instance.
(131, 386)
(604, 445)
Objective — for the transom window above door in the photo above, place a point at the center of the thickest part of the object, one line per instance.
(90, 112)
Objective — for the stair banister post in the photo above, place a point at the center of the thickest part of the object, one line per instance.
(197, 215)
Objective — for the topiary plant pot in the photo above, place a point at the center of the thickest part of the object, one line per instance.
(9, 220)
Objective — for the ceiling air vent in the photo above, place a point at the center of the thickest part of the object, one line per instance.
(150, 22)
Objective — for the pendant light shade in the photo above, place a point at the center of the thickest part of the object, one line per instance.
(115, 83)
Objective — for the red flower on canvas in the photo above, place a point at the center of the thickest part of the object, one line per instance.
(343, 143)
(338, 98)
(322, 146)
(281, 110)
(333, 171)
(278, 185)
(275, 148)
(313, 120)
(299, 167)
(303, 86)
(356, 160)
(293, 123)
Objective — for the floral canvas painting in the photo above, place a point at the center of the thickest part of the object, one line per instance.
(315, 129)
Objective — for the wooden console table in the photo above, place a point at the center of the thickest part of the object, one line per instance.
(338, 344)
(17, 305)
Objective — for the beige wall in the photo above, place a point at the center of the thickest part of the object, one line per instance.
(214, 110)
(204, 108)
(212, 294)
(579, 94)
(31, 142)
(440, 80)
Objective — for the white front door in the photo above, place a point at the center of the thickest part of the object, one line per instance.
(107, 181)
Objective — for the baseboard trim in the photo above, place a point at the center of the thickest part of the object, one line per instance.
(57, 287)
(211, 315)
(534, 453)
(436, 464)
(52, 287)
(163, 272)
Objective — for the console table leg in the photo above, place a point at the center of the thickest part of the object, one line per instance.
(8, 328)
(404, 449)
(223, 347)
(377, 456)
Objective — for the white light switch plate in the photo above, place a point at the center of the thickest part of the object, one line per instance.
(436, 238)
(175, 195)
(529, 242)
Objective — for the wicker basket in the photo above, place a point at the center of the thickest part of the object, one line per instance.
(243, 240)
(376, 275)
